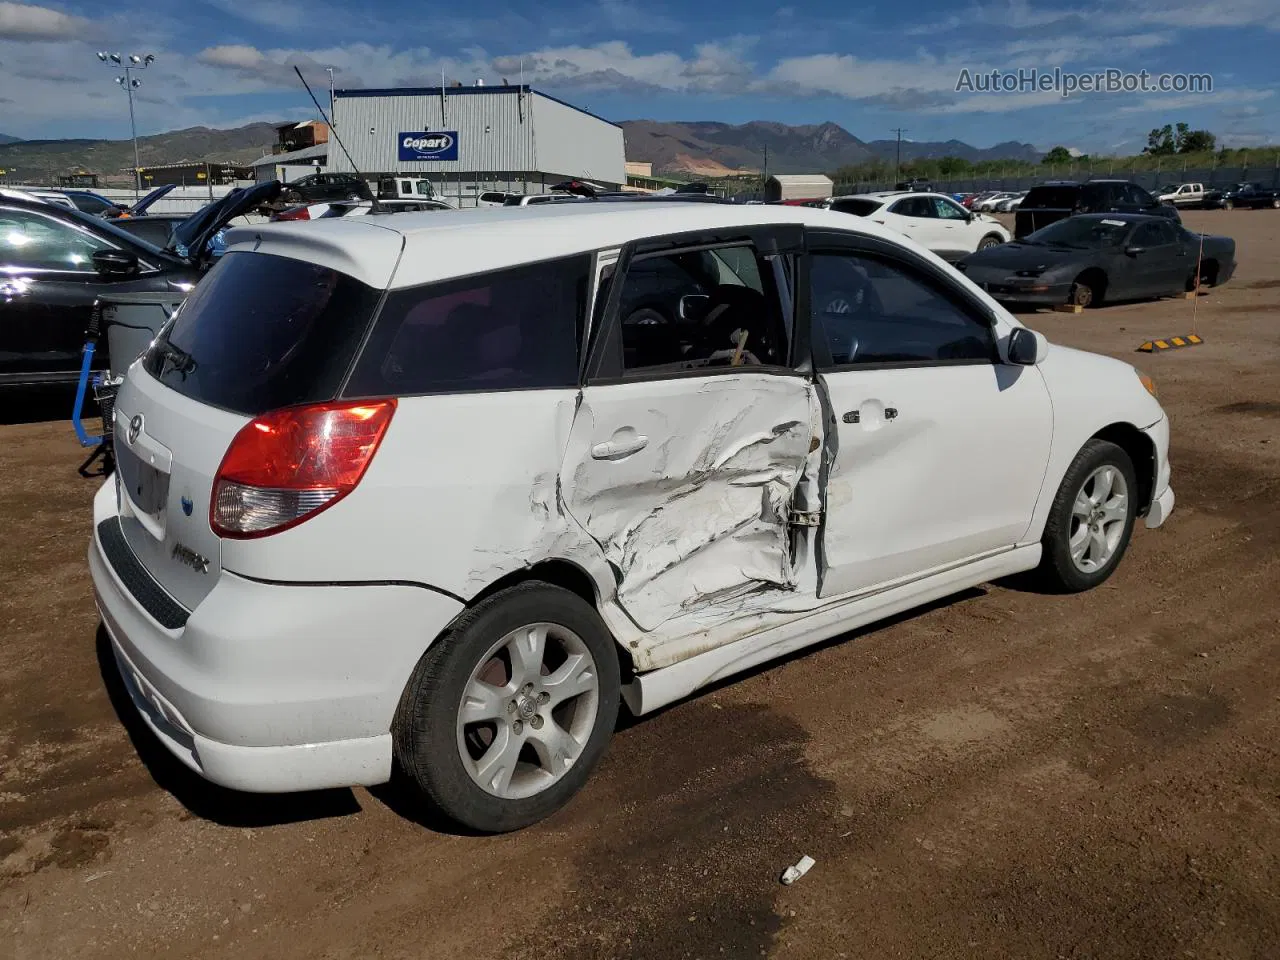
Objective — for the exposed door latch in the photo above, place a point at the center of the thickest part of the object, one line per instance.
(891, 413)
(853, 416)
(804, 518)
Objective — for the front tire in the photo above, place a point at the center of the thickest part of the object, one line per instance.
(507, 714)
(989, 241)
(1091, 520)
(1228, 205)
(1084, 295)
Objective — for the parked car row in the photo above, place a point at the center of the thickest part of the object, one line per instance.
(55, 261)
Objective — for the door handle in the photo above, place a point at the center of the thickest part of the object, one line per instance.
(617, 449)
(891, 413)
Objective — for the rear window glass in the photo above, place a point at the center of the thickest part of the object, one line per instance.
(859, 208)
(1051, 197)
(261, 332)
(509, 329)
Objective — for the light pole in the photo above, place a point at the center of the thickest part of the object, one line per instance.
(129, 82)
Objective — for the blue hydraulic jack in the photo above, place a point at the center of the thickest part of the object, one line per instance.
(104, 393)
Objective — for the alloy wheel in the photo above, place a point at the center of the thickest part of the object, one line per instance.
(528, 710)
(1098, 518)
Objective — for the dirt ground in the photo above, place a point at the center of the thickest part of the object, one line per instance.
(1004, 774)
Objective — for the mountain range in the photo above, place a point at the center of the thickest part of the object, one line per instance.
(5, 138)
(707, 148)
(702, 149)
(34, 160)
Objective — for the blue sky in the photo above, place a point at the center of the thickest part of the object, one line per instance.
(868, 67)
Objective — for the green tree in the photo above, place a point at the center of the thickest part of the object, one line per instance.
(1197, 141)
(1160, 142)
(1057, 157)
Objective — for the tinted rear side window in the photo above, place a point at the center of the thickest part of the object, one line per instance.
(1051, 198)
(261, 332)
(510, 329)
(859, 208)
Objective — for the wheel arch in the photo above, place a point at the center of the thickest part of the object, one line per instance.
(1097, 280)
(1142, 451)
(570, 576)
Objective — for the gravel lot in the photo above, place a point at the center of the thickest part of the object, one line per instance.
(1004, 774)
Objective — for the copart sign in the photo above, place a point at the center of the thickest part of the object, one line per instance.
(439, 145)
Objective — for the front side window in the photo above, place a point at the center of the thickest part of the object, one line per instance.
(700, 309)
(874, 311)
(946, 210)
(30, 241)
(508, 329)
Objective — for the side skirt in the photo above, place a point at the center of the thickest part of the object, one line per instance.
(650, 691)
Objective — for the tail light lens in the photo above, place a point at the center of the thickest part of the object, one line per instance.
(294, 213)
(288, 465)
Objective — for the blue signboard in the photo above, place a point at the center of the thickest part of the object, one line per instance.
(438, 145)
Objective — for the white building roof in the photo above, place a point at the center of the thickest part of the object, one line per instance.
(319, 152)
(802, 179)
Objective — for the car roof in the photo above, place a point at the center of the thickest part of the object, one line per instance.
(431, 247)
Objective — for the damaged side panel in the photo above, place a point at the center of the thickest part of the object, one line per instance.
(687, 485)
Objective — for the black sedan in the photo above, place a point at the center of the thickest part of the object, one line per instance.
(55, 261)
(1252, 195)
(1088, 258)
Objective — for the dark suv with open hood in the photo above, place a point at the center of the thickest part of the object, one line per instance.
(1055, 201)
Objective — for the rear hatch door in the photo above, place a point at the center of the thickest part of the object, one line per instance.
(261, 331)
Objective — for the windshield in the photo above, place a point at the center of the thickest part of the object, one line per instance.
(1082, 232)
(261, 332)
(108, 229)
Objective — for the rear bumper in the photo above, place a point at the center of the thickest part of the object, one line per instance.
(269, 687)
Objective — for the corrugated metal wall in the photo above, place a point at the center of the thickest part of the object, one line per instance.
(575, 144)
(494, 131)
(501, 134)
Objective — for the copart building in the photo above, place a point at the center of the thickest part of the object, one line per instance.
(472, 140)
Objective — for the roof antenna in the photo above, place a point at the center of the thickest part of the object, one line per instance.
(376, 207)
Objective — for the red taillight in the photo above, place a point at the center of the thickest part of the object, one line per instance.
(290, 464)
(294, 213)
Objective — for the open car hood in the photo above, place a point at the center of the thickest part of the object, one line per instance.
(142, 205)
(192, 236)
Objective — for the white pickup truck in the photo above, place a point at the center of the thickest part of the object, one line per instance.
(1183, 194)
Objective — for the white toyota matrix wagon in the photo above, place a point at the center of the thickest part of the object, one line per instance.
(443, 490)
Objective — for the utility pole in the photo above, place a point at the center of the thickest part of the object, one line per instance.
(129, 82)
(764, 176)
(897, 161)
(331, 94)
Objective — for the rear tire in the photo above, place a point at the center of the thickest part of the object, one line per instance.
(507, 714)
(1228, 205)
(1091, 519)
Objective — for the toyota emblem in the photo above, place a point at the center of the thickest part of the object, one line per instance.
(135, 427)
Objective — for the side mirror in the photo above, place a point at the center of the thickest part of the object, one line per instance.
(693, 306)
(1026, 347)
(115, 263)
(1132, 251)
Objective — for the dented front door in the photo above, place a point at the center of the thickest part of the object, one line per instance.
(686, 484)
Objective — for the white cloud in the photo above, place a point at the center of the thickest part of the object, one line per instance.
(1184, 101)
(20, 21)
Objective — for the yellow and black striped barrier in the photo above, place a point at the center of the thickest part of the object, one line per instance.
(1171, 343)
